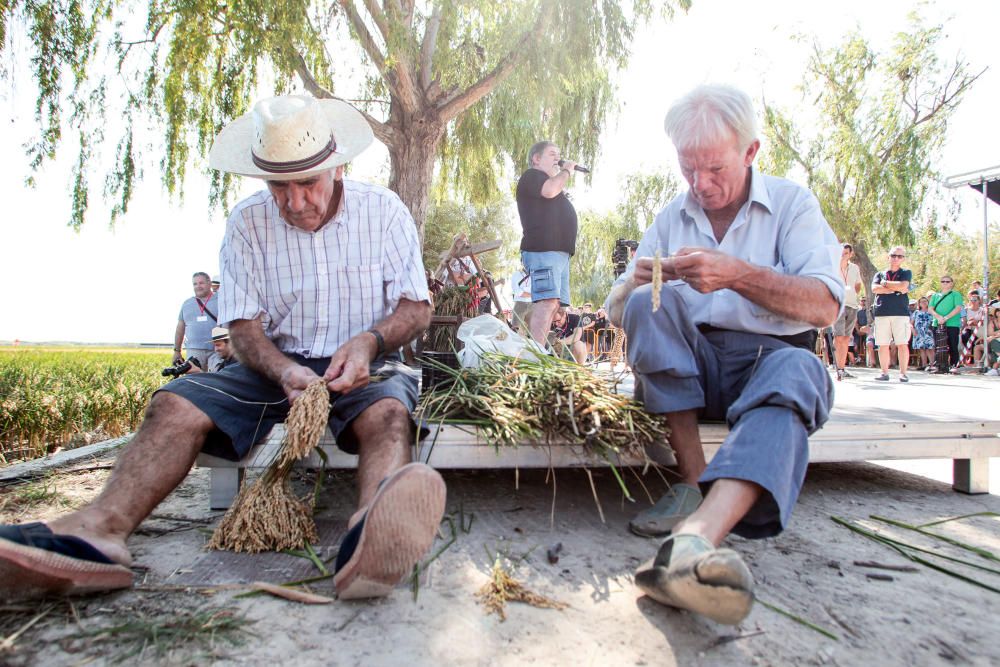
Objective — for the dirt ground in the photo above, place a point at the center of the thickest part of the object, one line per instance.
(920, 617)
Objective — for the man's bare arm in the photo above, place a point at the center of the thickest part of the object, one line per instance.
(256, 350)
(178, 339)
(555, 184)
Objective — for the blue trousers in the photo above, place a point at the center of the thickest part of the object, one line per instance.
(771, 394)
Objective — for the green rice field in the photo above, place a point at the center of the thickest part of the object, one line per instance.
(51, 396)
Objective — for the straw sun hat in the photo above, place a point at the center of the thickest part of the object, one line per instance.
(290, 138)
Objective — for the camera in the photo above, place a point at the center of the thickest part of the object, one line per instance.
(180, 368)
(621, 255)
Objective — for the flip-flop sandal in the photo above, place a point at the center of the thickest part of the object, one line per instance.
(35, 562)
(715, 583)
(671, 509)
(396, 530)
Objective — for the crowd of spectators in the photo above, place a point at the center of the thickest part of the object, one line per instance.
(964, 321)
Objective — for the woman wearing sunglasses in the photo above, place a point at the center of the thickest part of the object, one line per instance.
(946, 307)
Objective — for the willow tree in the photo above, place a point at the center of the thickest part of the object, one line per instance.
(880, 120)
(464, 85)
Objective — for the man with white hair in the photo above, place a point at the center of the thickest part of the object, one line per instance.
(322, 278)
(750, 270)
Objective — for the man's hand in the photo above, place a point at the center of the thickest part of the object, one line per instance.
(706, 270)
(177, 358)
(349, 366)
(294, 380)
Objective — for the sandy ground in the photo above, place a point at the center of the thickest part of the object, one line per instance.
(920, 617)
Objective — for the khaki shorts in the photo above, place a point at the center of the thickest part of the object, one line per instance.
(892, 330)
(844, 326)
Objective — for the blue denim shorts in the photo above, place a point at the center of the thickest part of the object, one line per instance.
(549, 274)
(245, 406)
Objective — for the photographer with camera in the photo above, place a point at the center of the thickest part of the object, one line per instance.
(222, 356)
(197, 318)
(566, 335)
(549, 225)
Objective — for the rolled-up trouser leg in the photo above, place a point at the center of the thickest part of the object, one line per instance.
(669, 356)
(787, 398)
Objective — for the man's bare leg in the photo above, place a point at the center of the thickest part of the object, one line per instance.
(903, 354)
(148, 469)
(686, 442)
(727, 502)
(840, 344)
(540, 322)
(385, 436)
(884, 357)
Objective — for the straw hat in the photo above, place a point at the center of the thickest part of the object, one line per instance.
(291, 137)
(220, 333)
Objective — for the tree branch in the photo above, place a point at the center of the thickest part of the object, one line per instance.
(428, 46)
(382, 131)
(365, 37)
(378, 17)
(459, 101)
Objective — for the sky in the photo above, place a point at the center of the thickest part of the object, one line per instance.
(126, 285)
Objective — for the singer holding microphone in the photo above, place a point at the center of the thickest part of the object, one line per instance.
(549, 225)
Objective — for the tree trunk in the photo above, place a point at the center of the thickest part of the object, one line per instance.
(411, 161)
(868, 269)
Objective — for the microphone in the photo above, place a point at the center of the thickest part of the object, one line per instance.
(582, 170)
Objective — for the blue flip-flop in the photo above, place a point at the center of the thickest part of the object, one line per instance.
(397, 529)
(35, 562)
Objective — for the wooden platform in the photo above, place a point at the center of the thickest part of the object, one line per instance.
(932, 416)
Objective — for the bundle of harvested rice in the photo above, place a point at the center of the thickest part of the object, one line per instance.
(513, 401)
(502, 588)
(454, 300)
(267, 515)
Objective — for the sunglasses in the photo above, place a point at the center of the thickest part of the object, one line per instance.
(897, 256)
(946, 281)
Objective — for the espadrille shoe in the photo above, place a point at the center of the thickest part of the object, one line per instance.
(35, 562)
(397, 529)
(676, 505)
(689, 573)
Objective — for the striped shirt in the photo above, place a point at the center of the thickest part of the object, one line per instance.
(315, 290)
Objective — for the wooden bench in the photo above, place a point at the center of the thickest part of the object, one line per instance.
(969, 444)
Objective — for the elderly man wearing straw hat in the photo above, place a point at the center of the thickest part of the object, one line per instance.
(749, 269)
(321, 277)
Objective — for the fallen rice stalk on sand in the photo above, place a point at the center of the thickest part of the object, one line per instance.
(502, 588)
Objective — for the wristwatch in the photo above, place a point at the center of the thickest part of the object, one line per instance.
(379, 342)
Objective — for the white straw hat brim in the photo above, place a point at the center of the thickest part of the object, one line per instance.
(231, 151)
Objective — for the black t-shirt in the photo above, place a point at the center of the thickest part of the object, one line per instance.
(567, 328)
(548, 224)
(897, 303)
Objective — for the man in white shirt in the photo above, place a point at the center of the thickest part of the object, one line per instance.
(843, 328)
(322, 279)
(749, 272)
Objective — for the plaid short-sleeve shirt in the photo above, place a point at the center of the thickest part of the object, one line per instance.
(315, 290)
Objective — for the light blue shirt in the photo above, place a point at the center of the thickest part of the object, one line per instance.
(780, 227)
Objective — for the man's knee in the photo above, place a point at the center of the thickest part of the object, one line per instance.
(386, 416)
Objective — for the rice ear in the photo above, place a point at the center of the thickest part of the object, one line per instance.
(267, 515)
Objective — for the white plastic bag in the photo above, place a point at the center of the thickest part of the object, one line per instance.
(488, 334)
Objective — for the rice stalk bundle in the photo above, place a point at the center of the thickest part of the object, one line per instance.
(454, 300)
(513, 400)
(267, 515)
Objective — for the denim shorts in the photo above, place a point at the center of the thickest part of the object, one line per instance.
(549, 274)
(245, 406)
